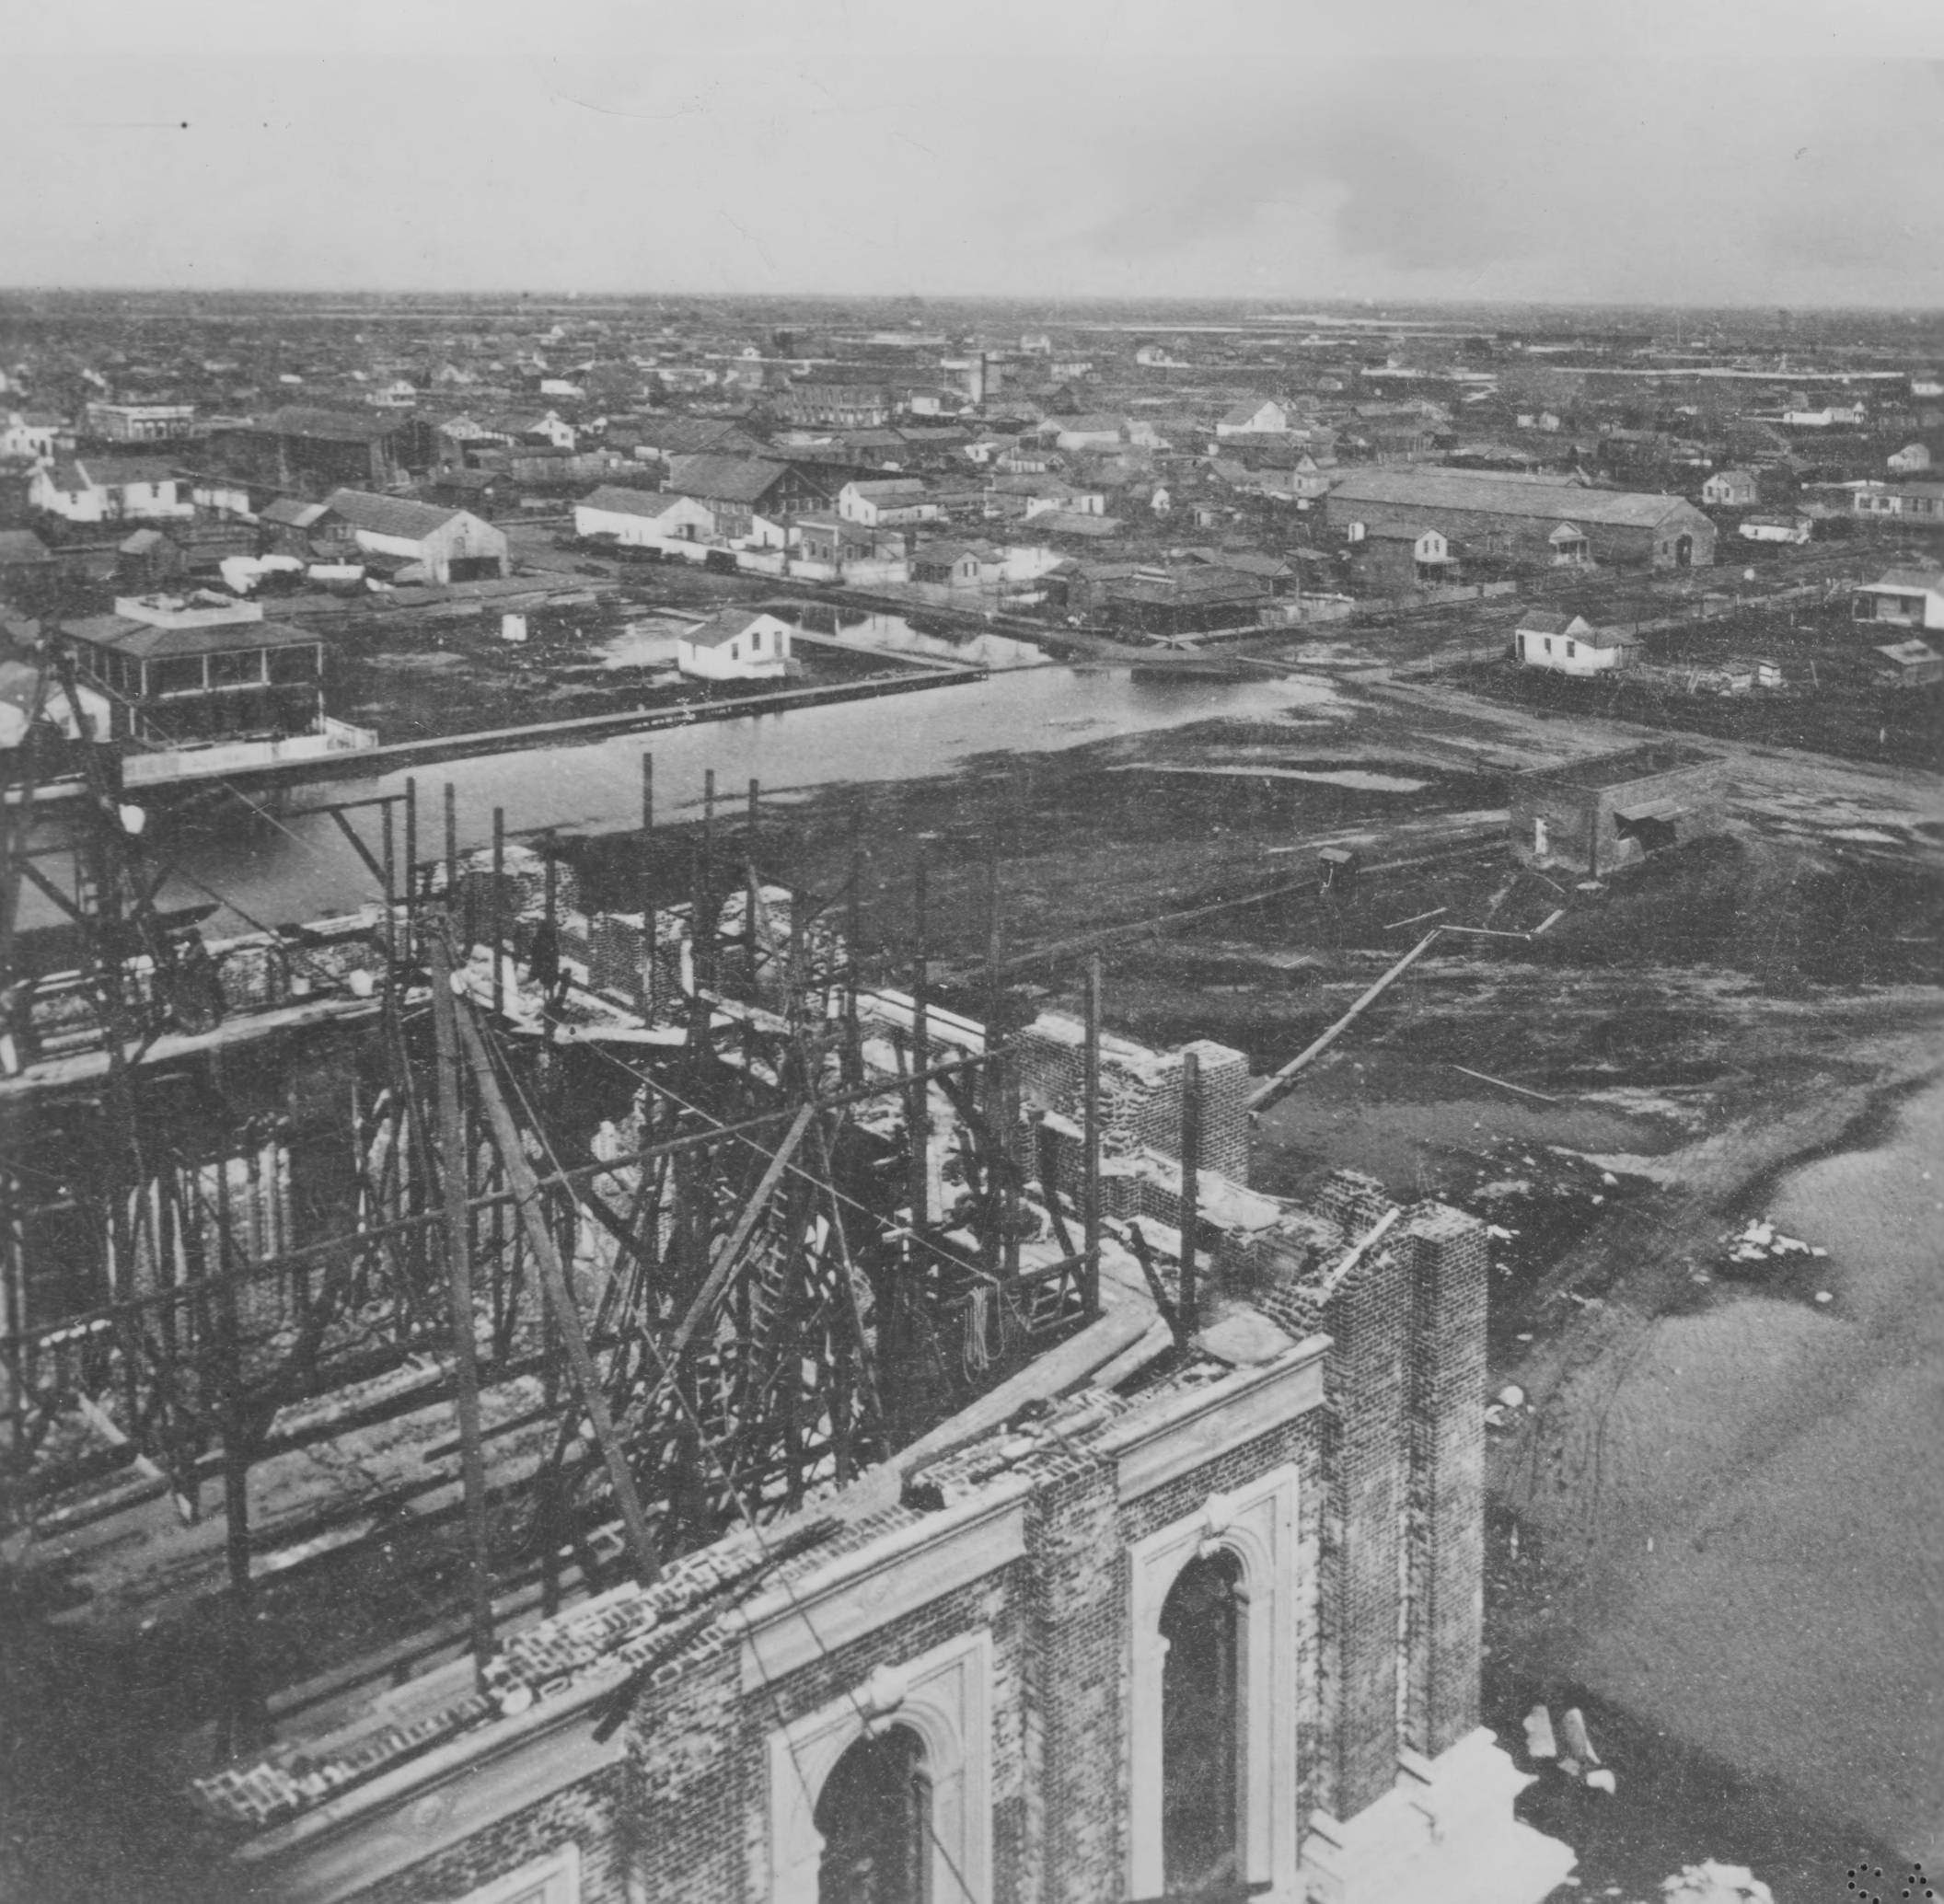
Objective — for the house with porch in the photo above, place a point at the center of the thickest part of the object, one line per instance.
(1910, 596)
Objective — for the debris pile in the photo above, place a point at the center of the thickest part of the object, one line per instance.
(1759, 1244)
(1578, 1761)
(1709, 1883)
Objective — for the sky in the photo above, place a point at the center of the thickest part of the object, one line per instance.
(1778, 153)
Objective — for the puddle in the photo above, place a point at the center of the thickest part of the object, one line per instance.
(1357, 776)
(1361, 778)
(640, 644)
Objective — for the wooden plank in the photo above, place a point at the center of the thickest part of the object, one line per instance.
(1266, 1094)
(1524, 1090)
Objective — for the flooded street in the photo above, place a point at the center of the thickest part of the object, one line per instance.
(300, 867)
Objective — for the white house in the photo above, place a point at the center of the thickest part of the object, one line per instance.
(1096, 432)
(1910, 458)
(1775, 528)
(878, 504)
(634, 518)
(29, 433)
(1161, 502)
(1829, 416)
(112, 489)
(1910, 597)
(1267, 418)
(417, 542)
(1731, 489)
(1569, 644)
(735, 646)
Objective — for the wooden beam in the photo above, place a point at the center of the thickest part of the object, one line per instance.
(553, 1281)
(453, 1183)
(1265, 1094)
(729, 1251)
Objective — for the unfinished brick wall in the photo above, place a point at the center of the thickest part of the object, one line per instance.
(1140, 1092)
(690, 1787)
(586, 1815)
(1300, 1442)
(1449, 1272)
(1401, 1540)
(1387, 1623)
(1080, 1594)
(700, 1745)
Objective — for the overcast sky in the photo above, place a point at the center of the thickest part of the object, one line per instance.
(1790, 153)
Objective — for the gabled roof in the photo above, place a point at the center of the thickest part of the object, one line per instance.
(1247, 412)
(1468, 489)
(719, 630)
(724, 478)
(890, 489)
(617, 501)
(389, 515)
(114, 472)
(1910, 653)
(1088, 426)
(1550, 621)
(290, 513)
(1904, 581)
(19, 546)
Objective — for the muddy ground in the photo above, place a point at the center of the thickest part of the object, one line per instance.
(1686, 1046)
(1690, 1047)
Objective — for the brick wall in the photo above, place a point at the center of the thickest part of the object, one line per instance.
(1386, 1625)
(1080, 1600)
(700, 1745)
(587, 1814)
(1449, 1272)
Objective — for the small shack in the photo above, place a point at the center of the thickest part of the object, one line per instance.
(1911, 663)
(1571, 645)
(1605, 814)
(735, 646)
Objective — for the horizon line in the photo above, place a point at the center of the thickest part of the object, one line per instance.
(1117, 298)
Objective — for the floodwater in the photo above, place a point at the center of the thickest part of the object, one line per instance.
(300, 867)
(891, 634)
(1782, 1456)
(647, 644)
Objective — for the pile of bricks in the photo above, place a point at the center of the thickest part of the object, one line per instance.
(625, 1627)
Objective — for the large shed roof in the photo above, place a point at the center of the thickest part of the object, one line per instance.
(1465, 489)
(389, 515)
(145, 641)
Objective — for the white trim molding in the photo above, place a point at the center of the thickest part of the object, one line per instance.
(1158, 1445)
(945, 1697)
(1257, 1523)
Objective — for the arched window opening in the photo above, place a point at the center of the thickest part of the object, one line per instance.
(874, 1816)
(1203, 1715)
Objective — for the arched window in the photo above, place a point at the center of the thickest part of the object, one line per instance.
(874, 1816)
(1202, 1726)
(1214, 1622)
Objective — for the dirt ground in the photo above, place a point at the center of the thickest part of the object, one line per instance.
(1715, 1523)
(1748, 1614)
